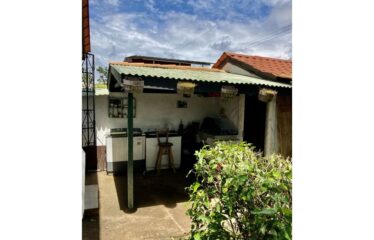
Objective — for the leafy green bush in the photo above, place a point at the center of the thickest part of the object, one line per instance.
(239, 194)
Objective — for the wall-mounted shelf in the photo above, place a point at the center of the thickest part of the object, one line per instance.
(117, 107)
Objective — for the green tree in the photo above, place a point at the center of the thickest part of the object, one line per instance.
(103, 74)
(86, 79)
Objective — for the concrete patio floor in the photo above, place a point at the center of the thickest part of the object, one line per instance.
(160, 207)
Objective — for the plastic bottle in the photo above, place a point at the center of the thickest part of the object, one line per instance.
(180, 129)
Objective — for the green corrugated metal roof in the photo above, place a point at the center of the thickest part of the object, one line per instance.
(191, 75)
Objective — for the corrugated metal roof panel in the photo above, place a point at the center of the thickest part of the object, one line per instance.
(190, 74)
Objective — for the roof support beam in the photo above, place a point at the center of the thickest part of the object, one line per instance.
(130, 161)
(271, 128)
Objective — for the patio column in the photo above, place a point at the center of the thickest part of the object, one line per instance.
(130, 162)
(271, 128)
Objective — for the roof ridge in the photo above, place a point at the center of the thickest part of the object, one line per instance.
(251, 56)
(167, 66)
(168, 59)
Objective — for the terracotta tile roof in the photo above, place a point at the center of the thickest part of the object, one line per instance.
(273, 66)
(86, 27)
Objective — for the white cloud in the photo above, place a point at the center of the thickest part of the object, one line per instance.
(174, 1)
(188, 36)
(275, 2)
(150, 5)
(201, 4)
(113, 2)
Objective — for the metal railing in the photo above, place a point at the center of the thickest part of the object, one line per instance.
(88, 103)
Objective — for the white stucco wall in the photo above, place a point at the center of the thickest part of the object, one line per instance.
(237, 117)
(233, 109)
(231, 68)
(156, 111)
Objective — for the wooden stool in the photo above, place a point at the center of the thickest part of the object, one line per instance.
(164, 148)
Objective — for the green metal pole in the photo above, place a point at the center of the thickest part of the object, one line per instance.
(130, 161)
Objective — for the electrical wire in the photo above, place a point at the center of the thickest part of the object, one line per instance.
(271, 36)
(285, 28)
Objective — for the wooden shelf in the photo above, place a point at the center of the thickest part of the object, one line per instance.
(117, 107)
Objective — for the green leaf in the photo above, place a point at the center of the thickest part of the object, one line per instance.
(265, 211)
(210, 179)
(277, 175)
(196, 236)
(218, 206)
(287, 236)
(273, 232)
(196, 186)
(287, 212)
(263, 230)
(204, 218)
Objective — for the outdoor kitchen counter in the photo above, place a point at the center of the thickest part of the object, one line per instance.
(117, 152)
(154, 134)
(152, 150)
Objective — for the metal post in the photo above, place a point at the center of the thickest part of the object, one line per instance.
(130, 163)
(93, 101)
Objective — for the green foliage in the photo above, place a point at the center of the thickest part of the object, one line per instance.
(103, 74)
(239, 194)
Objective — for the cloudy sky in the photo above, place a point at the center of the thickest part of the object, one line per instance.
(189, 29)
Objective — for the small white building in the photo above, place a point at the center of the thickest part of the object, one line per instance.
(159, 106)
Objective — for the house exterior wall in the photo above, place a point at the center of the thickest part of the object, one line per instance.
(154, 111)
(233, 109)
(283, 117)
(231, 68)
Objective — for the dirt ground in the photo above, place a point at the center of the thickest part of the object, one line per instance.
(160, 207)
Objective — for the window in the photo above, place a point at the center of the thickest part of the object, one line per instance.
(117, 107)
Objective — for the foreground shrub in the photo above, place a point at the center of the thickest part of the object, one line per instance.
(239, 194)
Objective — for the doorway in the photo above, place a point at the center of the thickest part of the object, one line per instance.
(254, 122)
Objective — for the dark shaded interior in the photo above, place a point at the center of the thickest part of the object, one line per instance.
(254, 122)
